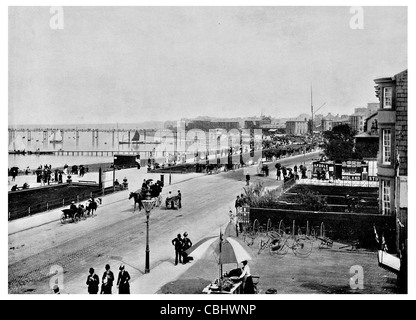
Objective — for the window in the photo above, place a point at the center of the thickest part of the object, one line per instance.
(385, 194)
(387, 97)
(386, 146)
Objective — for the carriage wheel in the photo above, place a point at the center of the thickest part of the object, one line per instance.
(303, 247)
(279, 247)
(75, 218)
(63, 218)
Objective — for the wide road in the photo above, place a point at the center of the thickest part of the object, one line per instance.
(117, 235)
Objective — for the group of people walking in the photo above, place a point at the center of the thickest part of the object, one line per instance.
(285, 174)
(107, 281)
(181, 245)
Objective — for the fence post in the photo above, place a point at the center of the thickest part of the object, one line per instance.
(293, 230)
(91, 194)
(77, 198)
(63, 202)
(47, 206)
(9, 215)
(29, 211)
(307, 227)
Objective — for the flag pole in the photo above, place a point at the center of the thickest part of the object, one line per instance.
(220, 282)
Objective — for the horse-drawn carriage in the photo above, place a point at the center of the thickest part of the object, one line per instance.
(155, 191)
(73, 215)
(82, 212)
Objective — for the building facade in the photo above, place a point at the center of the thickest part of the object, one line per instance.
(392, 159)
(326, 124)
(297, 127)
(357, 122)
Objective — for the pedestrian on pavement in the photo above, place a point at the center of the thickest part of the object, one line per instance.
(107, 280)
(247, 179)
(93, 282)
(186, 244)
(179, 199)
(177, 242)
(237, 204)
(278, 173)
(123, 284)
(242, 200)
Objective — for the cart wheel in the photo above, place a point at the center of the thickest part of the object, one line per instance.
(63, 219)
(75, 218)
(303, 247)
(278, 247)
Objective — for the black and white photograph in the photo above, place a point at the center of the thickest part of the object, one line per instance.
(205, 150)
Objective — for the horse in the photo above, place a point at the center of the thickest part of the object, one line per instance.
(138, 197)
(92, 205)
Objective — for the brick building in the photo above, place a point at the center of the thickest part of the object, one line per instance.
(392, 158)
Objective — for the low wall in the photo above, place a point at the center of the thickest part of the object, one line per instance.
(31, 201)
(347, 227)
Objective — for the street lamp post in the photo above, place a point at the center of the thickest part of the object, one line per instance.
(148, 206)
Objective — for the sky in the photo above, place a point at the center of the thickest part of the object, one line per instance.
(136, 64)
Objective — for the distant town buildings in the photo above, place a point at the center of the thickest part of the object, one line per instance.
(206, 125)
(326, 124)
(342, 121)
(297, 127)
(357, 122)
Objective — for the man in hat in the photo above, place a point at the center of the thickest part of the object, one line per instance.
(186, 244)
(123, 284)
(93, 282)
(144, 184)
(73, 206)
(179, 199)
(107, 280)
(177, 242)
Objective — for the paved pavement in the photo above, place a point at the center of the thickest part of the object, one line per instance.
(117, 235)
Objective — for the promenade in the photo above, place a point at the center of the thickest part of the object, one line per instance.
(116, 236)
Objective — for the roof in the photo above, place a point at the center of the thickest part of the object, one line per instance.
(366, 135)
